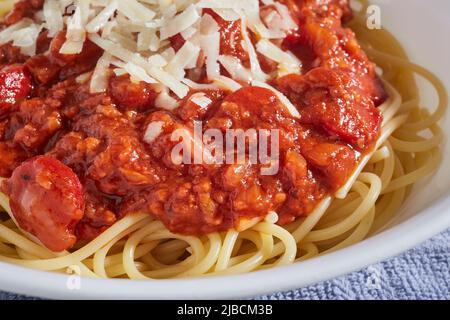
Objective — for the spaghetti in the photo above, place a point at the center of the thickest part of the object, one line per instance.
(140, 247)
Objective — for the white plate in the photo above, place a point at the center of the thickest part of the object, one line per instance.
(422, 27)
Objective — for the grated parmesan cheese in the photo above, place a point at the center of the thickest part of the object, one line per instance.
(53, 17)
(76, 34)
(234, 67)
(100, 77)
(287, 63)
(199, 86)
(154, 130)
(201, 99)
(185, 56)
(136, 38)
(180, 23)
(210, 45)
(165, 101)
(102, 18)
(227, 83)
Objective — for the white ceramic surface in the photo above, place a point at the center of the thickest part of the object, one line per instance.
(423, 28)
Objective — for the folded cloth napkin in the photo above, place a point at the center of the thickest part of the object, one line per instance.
(420, 273)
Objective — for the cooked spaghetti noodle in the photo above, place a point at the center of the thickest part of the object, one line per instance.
(140, 247)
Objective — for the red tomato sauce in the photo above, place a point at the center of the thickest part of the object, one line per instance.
(77, 162)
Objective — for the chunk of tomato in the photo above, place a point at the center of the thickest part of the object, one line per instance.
(337, 102)
(15, 85)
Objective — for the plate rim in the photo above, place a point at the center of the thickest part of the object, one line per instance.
(407, 234)
(402, 237)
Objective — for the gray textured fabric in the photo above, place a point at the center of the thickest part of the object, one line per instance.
(420, 273)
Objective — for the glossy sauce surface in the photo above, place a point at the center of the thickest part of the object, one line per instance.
(99, 138)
